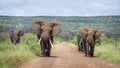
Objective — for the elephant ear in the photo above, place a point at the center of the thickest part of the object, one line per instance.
(36, 26)
(97, 33)
(21, 33)
(83, 32)
(55, 28)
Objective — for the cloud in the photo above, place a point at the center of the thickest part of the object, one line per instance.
(59, 7)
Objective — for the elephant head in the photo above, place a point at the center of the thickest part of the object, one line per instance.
(15, 35)
(97, 33)
(45, 32)
(89, 37)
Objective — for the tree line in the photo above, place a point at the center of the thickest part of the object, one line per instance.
(70, 25)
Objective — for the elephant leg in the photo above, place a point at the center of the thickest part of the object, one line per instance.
(11, 39)
(91, 51)
(18, 41)
(82, 47)
(48, 49)
(42, 48)
(14, 41)
(78, 47)
(52, 40)
(87, 49)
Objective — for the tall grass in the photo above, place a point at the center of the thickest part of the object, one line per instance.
(12, 55)
(108, 51)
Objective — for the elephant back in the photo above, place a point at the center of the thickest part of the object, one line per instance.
(83, 32)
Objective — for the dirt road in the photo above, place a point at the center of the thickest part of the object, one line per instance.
(65, 57)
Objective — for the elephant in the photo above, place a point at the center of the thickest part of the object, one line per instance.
(45, 32)
(88, 38)
(15, 35)
(80, 43)
(81, 39)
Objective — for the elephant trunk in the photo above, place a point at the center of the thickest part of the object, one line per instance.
(49, 41)
(90, 41)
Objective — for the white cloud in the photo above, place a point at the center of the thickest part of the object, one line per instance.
(62, 7)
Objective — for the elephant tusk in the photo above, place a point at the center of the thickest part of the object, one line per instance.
(39, 41)
(51, 43)
(80, 41)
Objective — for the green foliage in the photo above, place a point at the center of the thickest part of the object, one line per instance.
(73, 40)
(2, 38)
(1, 28)
(108, 52)
(12, 55)
(108, 34)
(66, 36)
(69, 24)
(57, 40)
(71, 45)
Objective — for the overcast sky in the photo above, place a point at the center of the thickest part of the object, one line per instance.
(59, 7)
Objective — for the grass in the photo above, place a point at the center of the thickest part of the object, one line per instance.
(108, 52)
(13, 55)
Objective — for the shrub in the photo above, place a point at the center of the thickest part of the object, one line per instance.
(24, 51)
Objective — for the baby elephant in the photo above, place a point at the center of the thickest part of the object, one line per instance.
(15, 35)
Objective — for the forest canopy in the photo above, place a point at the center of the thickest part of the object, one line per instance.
(69, 24)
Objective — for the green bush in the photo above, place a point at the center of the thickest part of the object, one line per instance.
(57, 40)
(12, 55)
(108, 52)
(73, 40)
(2, 38)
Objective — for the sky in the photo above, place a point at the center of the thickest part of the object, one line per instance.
(59, 7)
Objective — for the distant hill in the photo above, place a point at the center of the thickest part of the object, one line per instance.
(69, 24)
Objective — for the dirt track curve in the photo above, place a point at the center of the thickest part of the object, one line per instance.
(65, 57)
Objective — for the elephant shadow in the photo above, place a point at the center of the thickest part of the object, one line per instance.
(50, 57)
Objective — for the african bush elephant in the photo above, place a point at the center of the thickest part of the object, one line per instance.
(81, 39)
(80, 43)
(45, 32)
(15, 35)
(88, 38)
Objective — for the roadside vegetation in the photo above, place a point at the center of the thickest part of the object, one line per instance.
(13, 55)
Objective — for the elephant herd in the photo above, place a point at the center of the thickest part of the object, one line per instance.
(46, 31)
(86, 39)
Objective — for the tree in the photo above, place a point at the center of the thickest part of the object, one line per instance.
(1, 30)
(109, 34)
